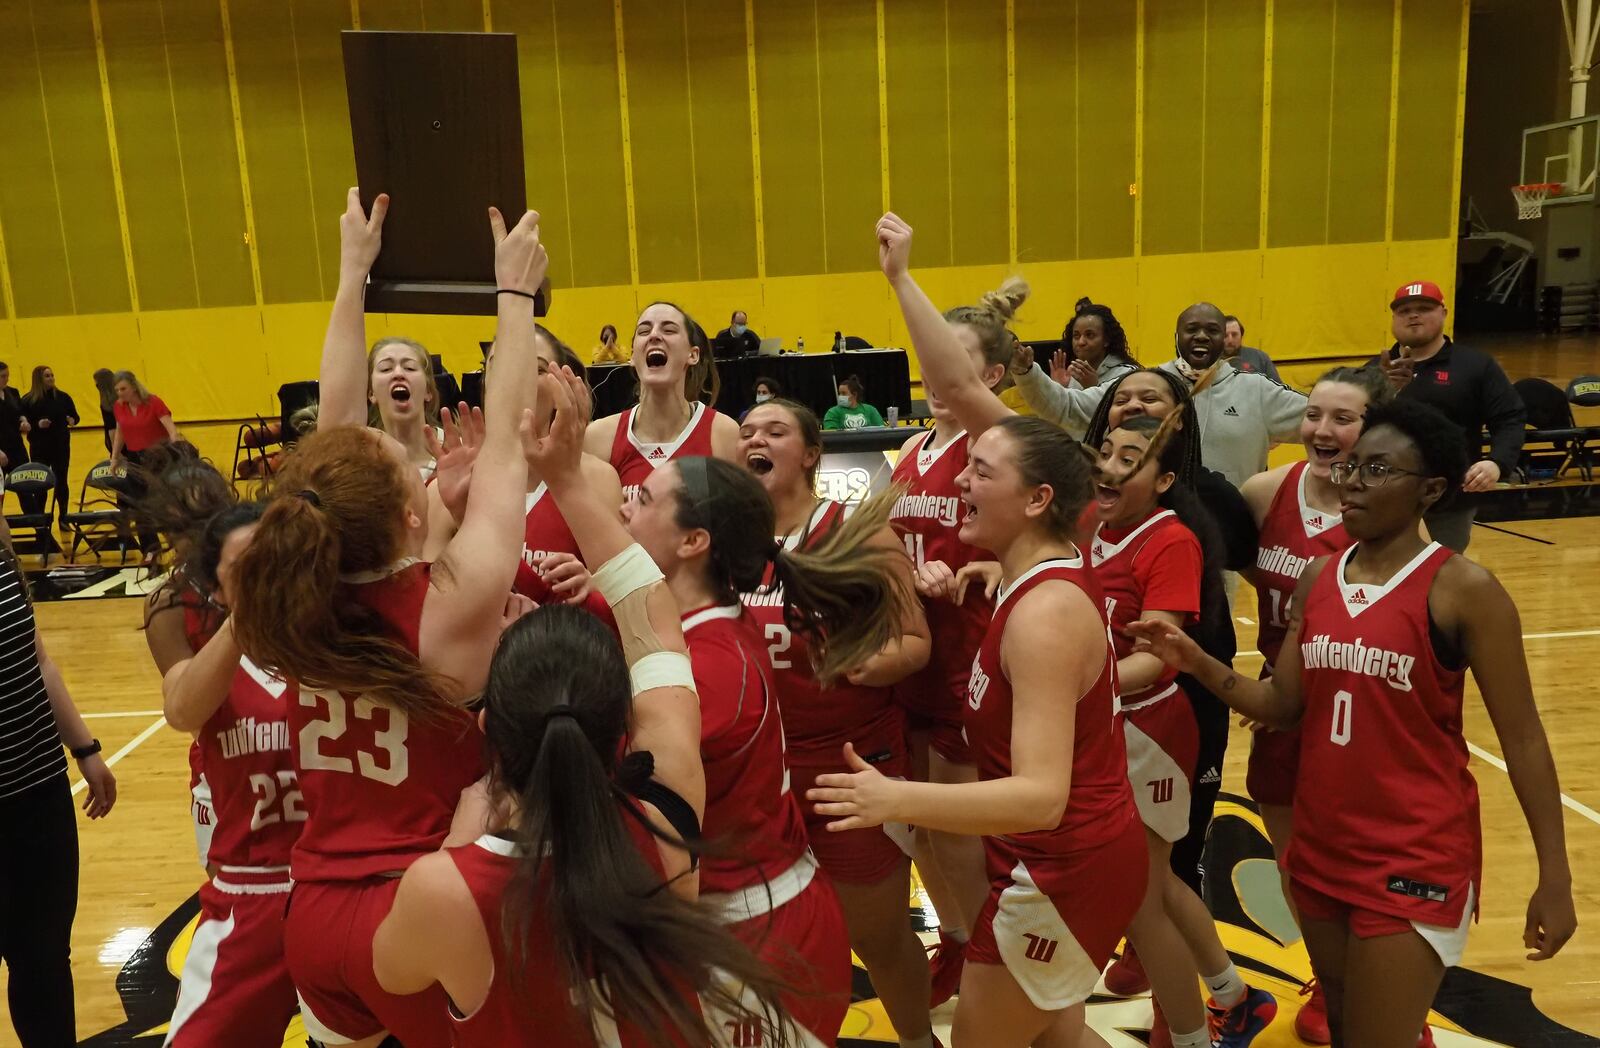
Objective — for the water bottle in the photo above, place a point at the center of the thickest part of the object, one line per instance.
(838, 342)
(800, 344)
(894, 415)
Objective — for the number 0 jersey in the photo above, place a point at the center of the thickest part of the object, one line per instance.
(1389, 821)
(380, 787)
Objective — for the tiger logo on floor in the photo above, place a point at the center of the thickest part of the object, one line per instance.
(1472, 1010)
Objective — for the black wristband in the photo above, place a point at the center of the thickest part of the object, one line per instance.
(514, 291)
(83, 752)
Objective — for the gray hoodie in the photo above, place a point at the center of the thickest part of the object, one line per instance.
(1242, 414)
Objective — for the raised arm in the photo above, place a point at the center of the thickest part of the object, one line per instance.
(666, 708)
(461, 620)
(342, 379)
(1071, 409)
(946, 365)
(1491, 633)
(194, 688)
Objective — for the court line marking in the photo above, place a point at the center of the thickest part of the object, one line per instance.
(79, 786)
(122, 713)
(1577, 806)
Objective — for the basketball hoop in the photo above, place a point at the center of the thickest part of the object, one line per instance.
(1531, 197)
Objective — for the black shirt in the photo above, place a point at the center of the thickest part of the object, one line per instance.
(727, 344)
(11, 428)
(1470, 389)
(52, 441)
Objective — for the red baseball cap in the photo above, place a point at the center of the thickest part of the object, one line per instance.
(1421, 289)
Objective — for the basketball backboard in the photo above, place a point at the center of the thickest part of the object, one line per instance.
(1566, 153)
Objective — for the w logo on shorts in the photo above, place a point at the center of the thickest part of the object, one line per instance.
(743, 1034)
(1039, 948)
(1160, 790)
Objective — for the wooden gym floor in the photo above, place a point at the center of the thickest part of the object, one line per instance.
(139, 869)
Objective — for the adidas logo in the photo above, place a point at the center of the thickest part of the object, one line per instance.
(1099, 552)
(1358, 597)
(1232, 411)
(1314, 522)
(1210, 777)
(658, 453)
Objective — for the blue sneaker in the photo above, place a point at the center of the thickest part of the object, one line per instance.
(1236, 1027)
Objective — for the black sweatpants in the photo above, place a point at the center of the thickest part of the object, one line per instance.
(1212, 718)
(38, 900)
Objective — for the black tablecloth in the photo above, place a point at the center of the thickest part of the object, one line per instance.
(811, 378)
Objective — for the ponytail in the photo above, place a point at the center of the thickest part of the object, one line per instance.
(335, 509)
(628, 949)
(851, 596)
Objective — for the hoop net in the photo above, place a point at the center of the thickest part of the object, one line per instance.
(1531, 197)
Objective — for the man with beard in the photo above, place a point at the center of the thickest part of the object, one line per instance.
(1242, 413)
(1467, 386)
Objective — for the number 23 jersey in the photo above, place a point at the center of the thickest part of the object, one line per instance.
(380, 787)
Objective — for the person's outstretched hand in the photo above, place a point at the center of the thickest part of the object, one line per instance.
(360, 234)
(520, 260)
(894, 246)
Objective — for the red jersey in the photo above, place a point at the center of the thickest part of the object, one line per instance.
(928, 518)
(249, 764)
(1154, 565)
(540, 1011)
(634, 459)
(380, 788)
(545, 532)
(1100, 805)
(749, 807)
(817, 720)
(1391, 823)
(1292, 536)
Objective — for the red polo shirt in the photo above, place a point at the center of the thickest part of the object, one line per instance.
(144, 429)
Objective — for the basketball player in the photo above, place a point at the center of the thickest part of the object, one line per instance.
(1296, 510)
(1065, 848)
(551, 567)
(1154, 551)
(235, 987)
(705, 523)
(677, 384)
(401, 397)
(182, 503)
(781, 444)
(382, 649)
(1385, 868)
(927, 520)
(553, 927)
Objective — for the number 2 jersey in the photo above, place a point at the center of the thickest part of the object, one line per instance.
(1392, 825)
(1100, 805)
(380, 787)
(928, 519)
(1293, 534)
(818, 721)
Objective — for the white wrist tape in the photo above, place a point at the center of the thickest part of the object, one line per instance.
(627, 572)
(661, 669)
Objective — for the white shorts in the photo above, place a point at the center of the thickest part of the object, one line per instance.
(1160, 776)
(205, 819)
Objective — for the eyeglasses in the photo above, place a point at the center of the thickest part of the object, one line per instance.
(1373, 474)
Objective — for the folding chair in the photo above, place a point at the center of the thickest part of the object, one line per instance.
(99, 521)
(35, 478)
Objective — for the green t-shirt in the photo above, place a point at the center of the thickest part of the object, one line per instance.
(852, 418)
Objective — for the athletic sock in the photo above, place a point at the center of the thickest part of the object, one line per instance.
(1227, 989)
(925, 1041)
(1201, 1038)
